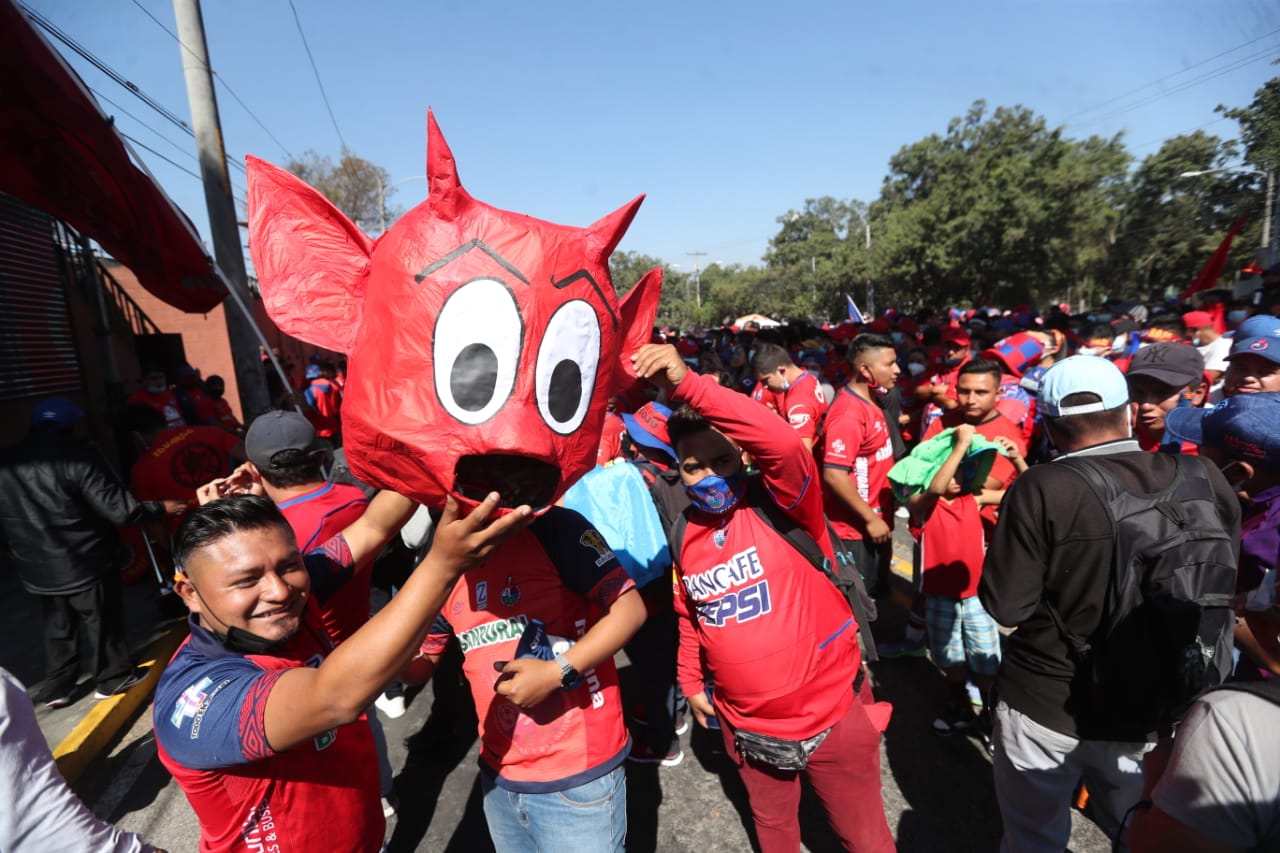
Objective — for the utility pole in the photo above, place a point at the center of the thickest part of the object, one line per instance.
(227, 248)
(697, 282)
(1268, 219)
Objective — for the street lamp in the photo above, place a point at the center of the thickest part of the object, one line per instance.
(382, 192)
(1268, 217)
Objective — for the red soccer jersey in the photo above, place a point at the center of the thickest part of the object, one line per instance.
(225, 417)
(610, 447)
(165, 402)
(952, 547)
(776, 635)
(209, 720)
(803, 406)
(558, 570)
(856, 440)
(316, 517)
(1002, 469)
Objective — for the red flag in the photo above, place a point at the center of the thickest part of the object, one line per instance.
(1252, 269)
(1218, 312)
(1209, 275)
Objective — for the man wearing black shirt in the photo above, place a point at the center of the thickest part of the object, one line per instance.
(1054, 544)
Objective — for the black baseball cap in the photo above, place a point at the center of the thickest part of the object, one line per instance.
(276, 432)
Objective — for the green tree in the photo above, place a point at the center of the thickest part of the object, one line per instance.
(818, 254)
(357, 187)
(999, 210)
(1169, 224)
(1260, 135)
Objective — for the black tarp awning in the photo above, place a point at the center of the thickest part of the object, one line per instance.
(61, 154)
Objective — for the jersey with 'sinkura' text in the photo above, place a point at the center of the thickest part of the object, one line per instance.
(561, 571)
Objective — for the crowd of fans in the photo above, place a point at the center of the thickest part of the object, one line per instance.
(735, 538)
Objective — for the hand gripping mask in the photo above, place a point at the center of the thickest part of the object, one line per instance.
(482, 344)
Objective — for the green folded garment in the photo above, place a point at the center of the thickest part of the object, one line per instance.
(912, 475)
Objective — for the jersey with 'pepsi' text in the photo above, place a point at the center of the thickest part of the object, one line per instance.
(561, 571)
(776, 635)
(210, 725)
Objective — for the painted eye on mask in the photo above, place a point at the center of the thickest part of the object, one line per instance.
(568, 361)
(477, 350)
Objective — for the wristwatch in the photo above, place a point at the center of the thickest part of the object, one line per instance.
(569, 677)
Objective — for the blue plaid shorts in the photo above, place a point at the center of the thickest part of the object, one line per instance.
(962, 633)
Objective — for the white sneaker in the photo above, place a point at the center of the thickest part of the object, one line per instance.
(388, 807)
(392, 706)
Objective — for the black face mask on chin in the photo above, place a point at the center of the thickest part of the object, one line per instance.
(239, 640)
(243, 642)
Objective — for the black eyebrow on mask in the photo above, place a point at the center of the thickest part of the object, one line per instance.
(581, 274)
(462, 250)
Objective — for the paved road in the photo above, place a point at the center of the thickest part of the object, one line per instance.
(937, 791)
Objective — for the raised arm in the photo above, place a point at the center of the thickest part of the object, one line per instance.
(305, 702)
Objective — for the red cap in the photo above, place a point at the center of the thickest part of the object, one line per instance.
(1197, 319)
(955, 336)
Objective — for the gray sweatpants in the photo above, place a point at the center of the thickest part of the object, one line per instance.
(1036, 771)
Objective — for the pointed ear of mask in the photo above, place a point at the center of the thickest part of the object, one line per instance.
(604, 235)
(312, 261)
(638, 310)
(444, 189)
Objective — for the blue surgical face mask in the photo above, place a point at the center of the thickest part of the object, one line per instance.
(716, 495)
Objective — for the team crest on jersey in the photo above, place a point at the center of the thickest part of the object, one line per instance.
(593, 540)
(718, 537)
(324, 740)
(837, 447)
(482, 595)
(510, 593)
(192, 702)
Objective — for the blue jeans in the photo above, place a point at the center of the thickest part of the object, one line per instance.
(591, 818)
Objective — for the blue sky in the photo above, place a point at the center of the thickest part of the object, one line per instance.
(726, 115)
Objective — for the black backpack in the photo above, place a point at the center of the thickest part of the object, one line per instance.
(1167, 625)
(844, 574)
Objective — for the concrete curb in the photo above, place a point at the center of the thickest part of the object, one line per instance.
(95, 732)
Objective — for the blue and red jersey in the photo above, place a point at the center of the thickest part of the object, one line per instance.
(210, 725)
(325, 400)
(316, 517)
(774, 632)
(561, 571)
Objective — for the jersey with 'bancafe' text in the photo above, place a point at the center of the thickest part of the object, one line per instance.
(561, 571)
(775, 633)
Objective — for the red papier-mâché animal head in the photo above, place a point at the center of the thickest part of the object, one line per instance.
(482, 344)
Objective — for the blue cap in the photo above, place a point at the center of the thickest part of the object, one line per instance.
(1258, 335)
(313, 371)
(56, 413)
(1243, 426)
(1079, 374)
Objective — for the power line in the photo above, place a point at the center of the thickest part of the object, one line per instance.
(316, 70)
(1189, 84)
(83, 52)
(219, 78)
(172, 163)
(176, 146)
(119, 79)
(1170, 76)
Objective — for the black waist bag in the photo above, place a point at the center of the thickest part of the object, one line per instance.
(778, 752)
